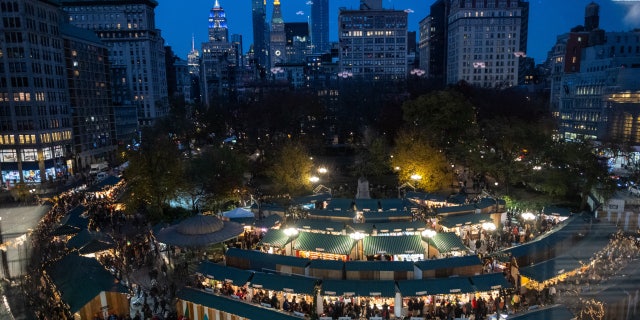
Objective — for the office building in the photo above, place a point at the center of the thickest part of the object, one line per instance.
(277, 40)
(219, 59)
(88, 73)
(373, 42)
(432, 46)
(479, 42)
(136, 51)
(35, 113)
(260, 32)
(320, 26)
(298, 44)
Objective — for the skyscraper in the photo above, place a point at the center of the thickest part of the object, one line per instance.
(35, 112)
(298, 42)
(277, 43)
(260, 30)
(218, 30)
(373, 42)
(433, 41)
(485, 43)
(320, 26)
(136, 50)
(219, 59)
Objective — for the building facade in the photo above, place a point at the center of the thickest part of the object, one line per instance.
(298, 43)
(35, 113)
(277, 40)
(320, 26)
(373, 42)
(93, 120)
(595, 102)
(260, 32)
(485, 41)
(219, 60)
(136, 48)
(432, 44)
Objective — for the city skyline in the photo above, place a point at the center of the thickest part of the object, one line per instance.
(614, 16)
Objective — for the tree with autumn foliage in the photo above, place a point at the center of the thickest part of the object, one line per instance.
(417, 162)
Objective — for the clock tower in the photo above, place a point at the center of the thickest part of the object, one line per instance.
(278, 37)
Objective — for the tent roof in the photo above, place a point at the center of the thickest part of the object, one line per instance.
(291, 284)
(362, 288)
(232, 306)
(319, 242)
(392, 245)
(199, 231)
(219, 272)
(379, 266)
(490, 281)
(238, 213)
(261, 260)
(81, 279)
(435, 286)
(457, 220)
(275, 238)
(453, 262)
(447, 241)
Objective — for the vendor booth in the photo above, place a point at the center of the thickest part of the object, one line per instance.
(87, 288)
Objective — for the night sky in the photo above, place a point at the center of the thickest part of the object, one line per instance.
(178, 20)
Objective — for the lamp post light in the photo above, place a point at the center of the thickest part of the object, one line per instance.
(357, 236)
(428, 233)
(314, 179)
(291, 233)
(322, 170)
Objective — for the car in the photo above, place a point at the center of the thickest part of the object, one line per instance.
(634, 190)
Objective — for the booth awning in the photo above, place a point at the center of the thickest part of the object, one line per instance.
(223, 273)
(320, 225)
(393, 245)
(453, 262)
(290, 284)
(361, 288)
(459, 220)
(318, 242)
(436, 286)
(231, 306)
(72, 223)
(490, 281)
(447, 242)
(402, 266)
(320, 197)
(558, 312)
(275, 238)
(550, 269)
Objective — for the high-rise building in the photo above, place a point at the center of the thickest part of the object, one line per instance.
(94, 131)
(373, 42)
(320, 26)
(484, 41)
(218, 30)
(219, 59)
(298, 43)
(260, 31)
(277, 43)
(432, 45)
(136, 49)
(193, 58)
(35, 113)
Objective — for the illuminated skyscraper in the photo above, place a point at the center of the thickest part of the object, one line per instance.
(277, 47)
(320, 26)
(218, 31)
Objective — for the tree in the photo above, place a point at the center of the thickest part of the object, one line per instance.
(373, 159)
(155, 172)
(215, 175)
(419, 163)
(290, 169)
(445, 118)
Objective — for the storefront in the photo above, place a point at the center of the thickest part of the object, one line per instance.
(323, 246)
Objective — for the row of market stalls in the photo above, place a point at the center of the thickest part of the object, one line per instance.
(79, 280)
(238, 284)
(353, 270)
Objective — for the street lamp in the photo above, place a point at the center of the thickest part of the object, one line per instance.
(528, 216)
(489, 226)
(428, 233)
(322, 170)
(314, 179)
(357, 236)
(291, 233)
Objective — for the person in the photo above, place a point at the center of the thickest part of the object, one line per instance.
(552, 293)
